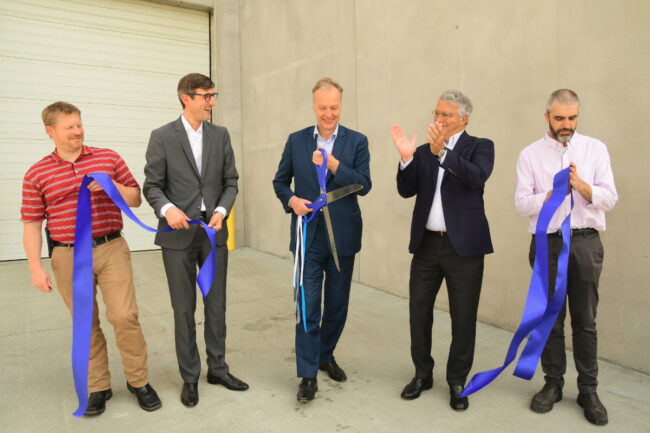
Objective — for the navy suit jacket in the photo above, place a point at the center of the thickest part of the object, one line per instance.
(351, 149)
(467, 168)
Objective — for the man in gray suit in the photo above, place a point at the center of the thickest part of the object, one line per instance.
(190, 174)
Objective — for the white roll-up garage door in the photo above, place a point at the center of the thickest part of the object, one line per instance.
(118, 61)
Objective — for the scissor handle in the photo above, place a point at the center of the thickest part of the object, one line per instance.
(321, 201)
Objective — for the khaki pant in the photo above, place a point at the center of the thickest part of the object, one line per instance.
(113, 273)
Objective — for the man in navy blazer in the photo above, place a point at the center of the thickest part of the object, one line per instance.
(347, 163)
(449, 237)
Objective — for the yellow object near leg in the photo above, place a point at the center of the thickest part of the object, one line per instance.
(230, 223)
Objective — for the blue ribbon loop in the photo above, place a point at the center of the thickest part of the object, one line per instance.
(540, 313)
(82, 277)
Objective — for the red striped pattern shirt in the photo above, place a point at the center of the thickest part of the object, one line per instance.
(51, 190)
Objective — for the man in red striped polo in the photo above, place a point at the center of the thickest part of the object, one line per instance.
(50, 192)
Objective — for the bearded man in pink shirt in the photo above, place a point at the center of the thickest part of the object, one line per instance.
(592, 187)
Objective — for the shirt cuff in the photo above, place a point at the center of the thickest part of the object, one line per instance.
(165, 208)
(221, 209)
(443, 157)
(403, 165)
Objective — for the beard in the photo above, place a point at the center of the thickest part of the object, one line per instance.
(567, 134)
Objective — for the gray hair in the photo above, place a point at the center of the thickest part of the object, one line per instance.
(562, 96)
(456, 97)
(326, 84)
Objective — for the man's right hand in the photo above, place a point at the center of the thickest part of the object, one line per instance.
(405, 147)
(298, 205)
(176, 218)
(41, 280)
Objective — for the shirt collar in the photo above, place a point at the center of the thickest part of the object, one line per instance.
(332, 137)
(188, 127)
(85, 150)
(453, 140)
(556, 145)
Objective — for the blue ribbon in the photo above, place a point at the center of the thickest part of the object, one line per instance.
(315, 206)
(540, 313)
(82, 277)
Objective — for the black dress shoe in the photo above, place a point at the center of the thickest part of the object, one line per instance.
(542, 402)
(190, 394)
(307, 389)
(416, 386)
(455, 400)
(333, 370)
(229, 381)
(97, 402)
(595, 412)
(147, 397)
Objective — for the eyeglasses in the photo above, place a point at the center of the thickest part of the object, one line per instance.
(443, 114)
(206, 96)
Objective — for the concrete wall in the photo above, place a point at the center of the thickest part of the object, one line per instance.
(393, 59)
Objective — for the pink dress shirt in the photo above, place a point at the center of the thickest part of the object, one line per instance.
(539, 162)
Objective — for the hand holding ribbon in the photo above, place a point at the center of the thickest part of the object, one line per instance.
(540, 313)
(82, 278)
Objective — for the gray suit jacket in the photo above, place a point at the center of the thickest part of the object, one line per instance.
(171, 176)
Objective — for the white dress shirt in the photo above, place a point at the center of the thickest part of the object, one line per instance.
(436, 220)
(539, 162)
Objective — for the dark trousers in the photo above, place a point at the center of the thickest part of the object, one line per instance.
(318, 344)
(585, 265)
(434, 261)
(181, 270)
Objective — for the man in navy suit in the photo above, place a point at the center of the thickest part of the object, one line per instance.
(347, 163)
(449, 237)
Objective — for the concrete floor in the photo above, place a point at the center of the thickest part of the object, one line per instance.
(38, 393)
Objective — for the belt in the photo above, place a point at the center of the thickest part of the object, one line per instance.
(441, 234)
(96, 241)
(574, 232)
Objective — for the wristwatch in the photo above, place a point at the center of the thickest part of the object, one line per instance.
(442, 153)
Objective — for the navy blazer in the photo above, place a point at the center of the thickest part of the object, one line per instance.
(467, 168)
(351, 149)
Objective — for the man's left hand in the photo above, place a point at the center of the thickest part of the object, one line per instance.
(436, 138)
(332, 163)
(216, 221)
(94, 186)
(578, 184)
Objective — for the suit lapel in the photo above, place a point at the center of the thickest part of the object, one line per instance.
(206, 149)
(460, 146)
(181, 135)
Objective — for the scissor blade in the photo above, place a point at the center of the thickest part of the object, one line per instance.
(330, 234)
(342, 192)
